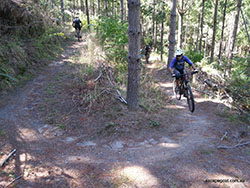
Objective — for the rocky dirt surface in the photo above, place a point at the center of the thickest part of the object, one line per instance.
(59, 146)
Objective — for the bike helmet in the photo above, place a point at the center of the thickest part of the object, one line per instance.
(178, 52)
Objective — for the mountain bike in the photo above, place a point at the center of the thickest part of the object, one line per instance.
(184, 88)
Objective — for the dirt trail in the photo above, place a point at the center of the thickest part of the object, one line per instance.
(182, 155)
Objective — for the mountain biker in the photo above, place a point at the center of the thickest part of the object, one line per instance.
(77, 24)
(177, 65)
(147, 52)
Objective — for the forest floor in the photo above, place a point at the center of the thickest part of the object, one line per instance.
(59, 146)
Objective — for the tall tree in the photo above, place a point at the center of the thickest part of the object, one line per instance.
(214, 31)
(222, 29)
(181, 12)
(162, 27)
(202, 21)
(62, 10)
(99, 7)
(134, 32)
(122, 10)
(87, 12)
(172, 40)
(245, 25)
(106, 7)
(153, 27)
(236, 21)
(82, 6)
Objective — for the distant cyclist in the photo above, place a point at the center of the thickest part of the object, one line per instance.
(77, 24)
(177, 67)
(147, 52)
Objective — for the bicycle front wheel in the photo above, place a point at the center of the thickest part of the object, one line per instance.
(176, 90)
(190, 98)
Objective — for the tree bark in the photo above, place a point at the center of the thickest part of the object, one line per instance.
(214, 31)
(172, 40)
(180, 24)
(234, 35)
(62, 10)
(202, 21)
(121, 10)
(133, 96)
(153, 27)
(87, 12)
(245, 25)
(82, 6)
(99, 7)
(197, 36)
(106, 7)
(162, 28)
(222, 29)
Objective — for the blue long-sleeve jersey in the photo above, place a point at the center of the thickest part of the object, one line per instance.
(180, 64)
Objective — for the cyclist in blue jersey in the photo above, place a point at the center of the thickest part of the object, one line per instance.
(177, 67)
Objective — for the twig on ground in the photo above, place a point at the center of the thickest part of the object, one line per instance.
(7, 158)
(224, 136)
(100, 75)
(89, 180)
(13, 181)
(231, 147)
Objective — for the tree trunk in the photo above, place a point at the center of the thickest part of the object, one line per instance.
(106, 7)
(62, 10)
(202, 21)
(180, 24)
(82, 6)
(222, 29)
(87, 12)
(153, 27)
(197, 36)
(121, 10)
(214, 31)
(172, 41)
(245, 25)
(162, 28)
(93, 7)
(133, 95)
(234, 35)
(99, 7)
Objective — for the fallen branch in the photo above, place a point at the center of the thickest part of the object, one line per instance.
(222, 138)
(7, 158)
(98, 76)
(13, 181)
(231, 147)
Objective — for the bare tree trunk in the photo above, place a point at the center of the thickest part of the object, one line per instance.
(87, 12)
(153, 27)
(197, 36)
(93, 8)
(180, 24)
(214, 31)
(245, 25)
(106, 7)
(202, 21)
(222, 29)
(62, 10)
(133, 95)
(162, 28)
(172, 41)
(82, 6)
(121, 10)
(234, 35)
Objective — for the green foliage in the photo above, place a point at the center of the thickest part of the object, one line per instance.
(193, 55)
(240, 82)
(113, 36)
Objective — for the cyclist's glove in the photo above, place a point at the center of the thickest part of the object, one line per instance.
(173, 75)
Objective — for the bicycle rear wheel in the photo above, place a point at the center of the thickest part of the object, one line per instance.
(78, 34)
(176, 90)
(190, 99)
